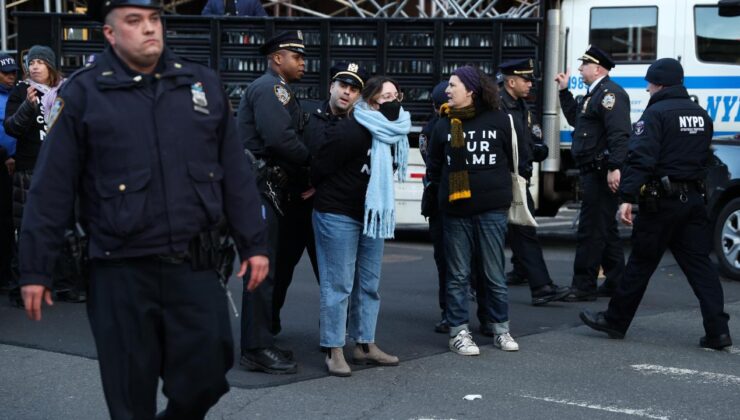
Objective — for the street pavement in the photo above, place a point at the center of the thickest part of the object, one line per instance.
(563, 370)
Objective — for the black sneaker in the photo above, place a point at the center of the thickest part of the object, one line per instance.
(548, 293)
(514, 279)
(268, 360)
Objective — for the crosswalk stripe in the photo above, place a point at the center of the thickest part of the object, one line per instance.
(639, 412)
(696, 375)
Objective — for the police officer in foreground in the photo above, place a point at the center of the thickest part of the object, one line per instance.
(664, 171)
(270, 124)
(602, 128)
(147, 143)
(527, 257)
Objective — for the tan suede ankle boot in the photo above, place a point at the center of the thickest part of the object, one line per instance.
(370, 354)
(335, 362)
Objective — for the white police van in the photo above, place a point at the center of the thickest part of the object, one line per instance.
(636, 33)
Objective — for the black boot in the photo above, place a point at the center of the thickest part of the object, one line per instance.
(268, 360)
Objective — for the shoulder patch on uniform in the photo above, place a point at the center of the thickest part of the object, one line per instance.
(639, 128)
(537, 131)
(608, 101)
(56, 109)
(282, 94)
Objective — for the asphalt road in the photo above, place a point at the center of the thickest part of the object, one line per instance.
(563, 370)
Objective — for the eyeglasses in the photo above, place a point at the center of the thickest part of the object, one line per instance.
(392, 96)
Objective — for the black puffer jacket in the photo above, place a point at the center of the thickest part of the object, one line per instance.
(25, 122)
(488, 143)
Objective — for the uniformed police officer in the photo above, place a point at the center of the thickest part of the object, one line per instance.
(147, 143)
(602, 126)
(664, 171)
(347, 80)
(270, 123)
(527, 257)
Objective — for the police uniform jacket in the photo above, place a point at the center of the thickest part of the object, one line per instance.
(523, 123)
(316, 128)
(488, 158)
(671, 138)
(601, 121)
(270, 123)
(154, 160)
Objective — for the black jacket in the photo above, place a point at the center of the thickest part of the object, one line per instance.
(672, 138)
(524, 124)
(153, 161)
(340, 169)
(25, 122)
(489, 163)
(602, 123)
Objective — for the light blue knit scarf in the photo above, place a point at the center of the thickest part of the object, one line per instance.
(380, 213)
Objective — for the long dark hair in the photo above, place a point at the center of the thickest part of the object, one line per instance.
(374, 86)
(489, 97)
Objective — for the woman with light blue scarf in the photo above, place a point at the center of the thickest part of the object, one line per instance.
(354, 213)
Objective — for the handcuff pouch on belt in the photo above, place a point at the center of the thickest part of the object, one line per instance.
(212, 249)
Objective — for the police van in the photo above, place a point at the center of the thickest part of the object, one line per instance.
(636, 33)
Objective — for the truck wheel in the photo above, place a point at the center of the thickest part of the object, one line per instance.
(727, 239)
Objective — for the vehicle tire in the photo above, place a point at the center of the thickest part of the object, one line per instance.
(727, 239)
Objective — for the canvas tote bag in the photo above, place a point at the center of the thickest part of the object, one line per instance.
(519, 211)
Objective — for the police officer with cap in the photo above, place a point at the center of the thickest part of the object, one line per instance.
(146, 142)
(270, 123)
(296, 228)
(527, 257)
(602, 128)
(664, 171)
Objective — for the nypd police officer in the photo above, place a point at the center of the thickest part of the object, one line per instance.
(527, 257)
(602, 128)
(147, 143)
(664, 172)
(270, 124)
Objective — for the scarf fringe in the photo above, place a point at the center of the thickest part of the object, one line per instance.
(380, 223)
(459, 186)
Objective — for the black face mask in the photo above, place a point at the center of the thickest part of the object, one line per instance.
(390, 110)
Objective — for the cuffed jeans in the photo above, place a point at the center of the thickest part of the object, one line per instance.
(349, 272)
(483, 235)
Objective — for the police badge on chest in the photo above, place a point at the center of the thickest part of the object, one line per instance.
(200, 103)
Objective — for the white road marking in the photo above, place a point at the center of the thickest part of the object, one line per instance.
(690, 374)
(639, 412)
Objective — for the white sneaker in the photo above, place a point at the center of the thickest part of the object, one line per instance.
(505, 342)
(463, 344)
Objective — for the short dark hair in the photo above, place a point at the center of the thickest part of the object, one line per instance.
(374, 86)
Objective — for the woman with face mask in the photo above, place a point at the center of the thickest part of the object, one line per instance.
(470, 158)
(354, 213)
(27, 119)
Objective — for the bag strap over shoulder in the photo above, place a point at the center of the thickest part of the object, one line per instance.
(514, 145)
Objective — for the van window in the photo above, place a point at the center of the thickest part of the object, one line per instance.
(716, 36)
(628, 34)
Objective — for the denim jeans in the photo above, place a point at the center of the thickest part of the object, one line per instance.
(349, 272)
(482, 235)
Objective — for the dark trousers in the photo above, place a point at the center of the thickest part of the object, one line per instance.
(436, 231)
(598, 237)
(153, 319)
(684, 228)
(7, 232)
(526, 251)
(295, 235)
(257, 305)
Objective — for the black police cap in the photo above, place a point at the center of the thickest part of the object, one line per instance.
(665, 72)
(289, 40)
(99, 9)
(598, 56)
(523, 68)
(349, 73)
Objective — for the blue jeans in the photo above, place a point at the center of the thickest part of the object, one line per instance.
(349, 270)
(483, 235)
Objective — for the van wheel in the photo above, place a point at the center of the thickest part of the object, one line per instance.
(727, 239)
